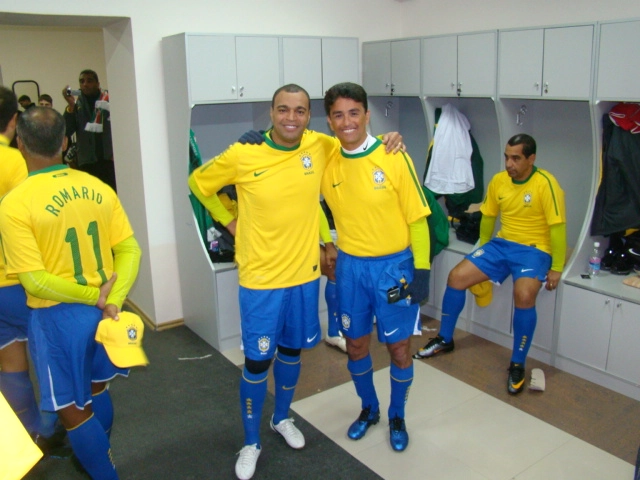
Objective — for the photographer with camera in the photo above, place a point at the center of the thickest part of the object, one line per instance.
(88, 116)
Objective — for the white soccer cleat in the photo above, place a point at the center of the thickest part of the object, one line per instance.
(246, 463)
(289, 432)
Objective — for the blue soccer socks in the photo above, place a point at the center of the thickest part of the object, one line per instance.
(91, 445)
(103, 409)
(331, 297)
(286, 371)
(401, 379)
(18, 391)
(253, 390)
(452, 305)
(524, 326)
(362, 376)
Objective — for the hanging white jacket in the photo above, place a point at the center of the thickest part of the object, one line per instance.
(450, 168)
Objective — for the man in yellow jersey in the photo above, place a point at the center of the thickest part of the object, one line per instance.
(65, 236)
(276, 234)
(15, 383)
(530, 245)
(383, 263)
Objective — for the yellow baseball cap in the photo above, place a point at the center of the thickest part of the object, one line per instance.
(483, 292)
(122, 339)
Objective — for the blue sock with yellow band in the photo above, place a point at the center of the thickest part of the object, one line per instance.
(401, 379)
(362, 375)
(253, 390)
(286, 371)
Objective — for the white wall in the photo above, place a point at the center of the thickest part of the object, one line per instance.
(134, 68)
(434, 17)
(52, 56)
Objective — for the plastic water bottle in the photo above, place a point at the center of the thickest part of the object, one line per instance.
(595, 260)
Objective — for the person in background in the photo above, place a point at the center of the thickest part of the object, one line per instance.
(89, 118)
(45, 100)
(15, 383)
(277, 255)
(383, 266)
(530, 246)
(68, 240)
(25, 102)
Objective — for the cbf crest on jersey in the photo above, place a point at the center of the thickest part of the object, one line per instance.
(478, 253)
(263, 344)
(527, 199)
(378, 178)
(346, 321)
(307, 162)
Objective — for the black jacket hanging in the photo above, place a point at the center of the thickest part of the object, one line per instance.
(617, 206)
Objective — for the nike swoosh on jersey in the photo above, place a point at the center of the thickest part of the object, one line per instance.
(309, 340)
(334, 185)
(522, 270)
(386, 334)
(284, 387)
(257, 174)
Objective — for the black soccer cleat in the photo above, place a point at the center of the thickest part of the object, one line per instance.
(433, 347)
(515, 380)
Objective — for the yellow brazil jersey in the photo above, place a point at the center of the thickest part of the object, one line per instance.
(278, 221)
(373, 196)
(13, 170)
(527, 209)
(63, 221)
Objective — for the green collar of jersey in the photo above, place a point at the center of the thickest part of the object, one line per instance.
(269, 141)
(52, 168)
(520, 182)
(370, 148)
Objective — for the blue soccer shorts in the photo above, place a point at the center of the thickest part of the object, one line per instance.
(66, 357)
(14, 315)
(363, 283)
(281, 316)
(500, 258)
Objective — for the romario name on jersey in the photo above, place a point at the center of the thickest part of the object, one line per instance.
(65, 196)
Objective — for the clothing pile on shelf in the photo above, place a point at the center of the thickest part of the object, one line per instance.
(455, 171)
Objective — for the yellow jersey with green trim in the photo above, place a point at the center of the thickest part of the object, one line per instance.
(278, 216)
(373, 196)
(63, 221)
(527, 209)
(13, 170)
